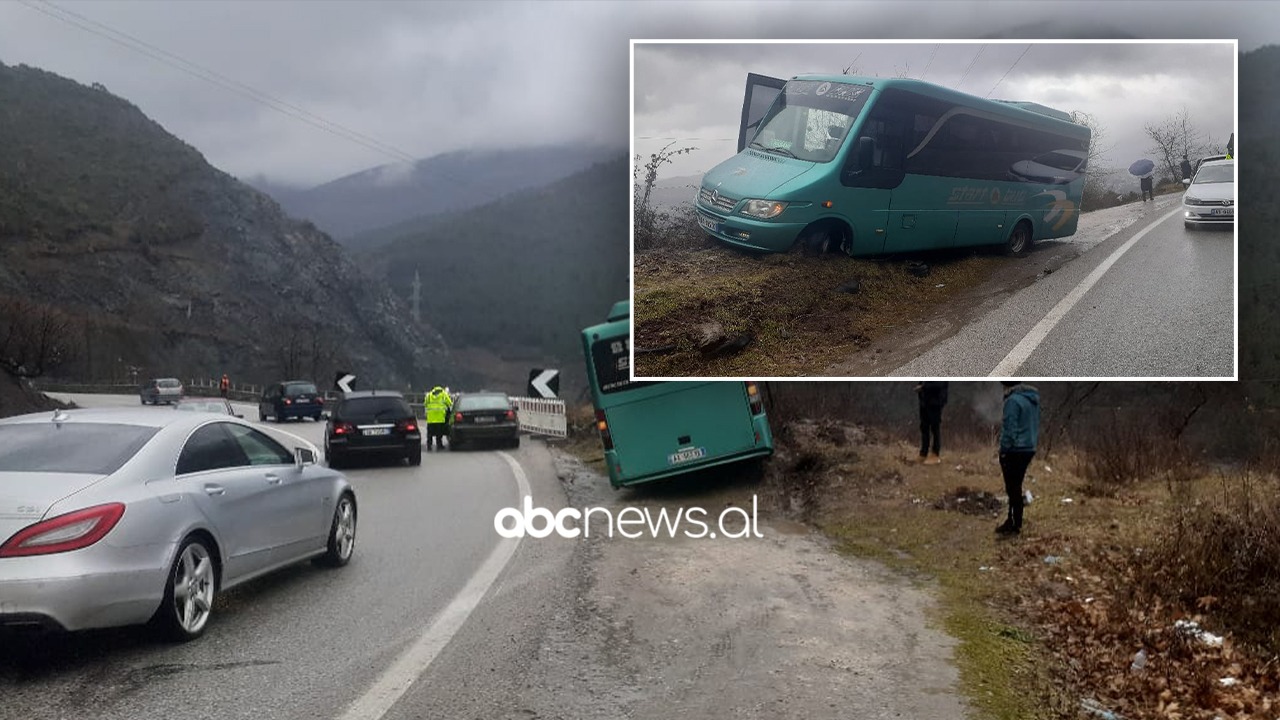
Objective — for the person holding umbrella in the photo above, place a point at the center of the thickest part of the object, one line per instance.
(1144, 169)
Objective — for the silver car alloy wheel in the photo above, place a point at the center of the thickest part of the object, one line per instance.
(346, 530)
(193, 588)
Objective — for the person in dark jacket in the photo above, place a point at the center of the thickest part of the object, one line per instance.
(1186, 168)
(1145, 183)
(933, 397)
(1018, 435)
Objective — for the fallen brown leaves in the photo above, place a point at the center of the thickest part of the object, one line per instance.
(1092, 613)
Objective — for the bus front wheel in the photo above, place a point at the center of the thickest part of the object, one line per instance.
(818, 241)
(1019, 241)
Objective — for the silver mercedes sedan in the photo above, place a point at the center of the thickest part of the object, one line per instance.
(118, 517)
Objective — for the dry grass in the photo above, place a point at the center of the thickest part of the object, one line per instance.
(1039, 636)
(790, 303)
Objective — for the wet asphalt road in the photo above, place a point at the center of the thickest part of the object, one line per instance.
(1166, 308)
(775, 626)
(306, 642)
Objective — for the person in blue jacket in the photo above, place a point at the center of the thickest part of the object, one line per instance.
(1018, 435)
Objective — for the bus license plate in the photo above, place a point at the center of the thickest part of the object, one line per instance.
(686, 455)
(708, 224)
(1223, 211)
(378, 431)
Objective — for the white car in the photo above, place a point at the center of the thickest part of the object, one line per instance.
(1211, 195)
(119, 516)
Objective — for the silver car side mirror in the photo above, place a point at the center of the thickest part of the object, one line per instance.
(304, 456)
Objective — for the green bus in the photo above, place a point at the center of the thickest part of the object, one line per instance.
(654, 430)
(870, 166)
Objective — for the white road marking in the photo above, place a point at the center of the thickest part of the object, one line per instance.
(1020, 352)
(406, 670)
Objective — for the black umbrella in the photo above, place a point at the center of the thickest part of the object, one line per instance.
(1142, 168)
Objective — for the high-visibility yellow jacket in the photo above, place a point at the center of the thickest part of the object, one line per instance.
(437, 405)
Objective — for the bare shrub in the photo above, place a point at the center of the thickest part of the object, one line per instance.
(581, 421)
(1128, 448)
(1222, 556)
(648, 222)
(34, 339)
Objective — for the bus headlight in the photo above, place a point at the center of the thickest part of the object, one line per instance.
(763, 209)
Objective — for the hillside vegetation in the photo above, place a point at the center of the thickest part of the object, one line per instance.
(167, 266)
(523, 274)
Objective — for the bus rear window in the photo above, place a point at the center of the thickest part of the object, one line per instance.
(611, 358)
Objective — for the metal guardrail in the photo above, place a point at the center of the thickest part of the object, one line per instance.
(540, 416)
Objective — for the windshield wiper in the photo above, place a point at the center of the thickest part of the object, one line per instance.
(779, 150)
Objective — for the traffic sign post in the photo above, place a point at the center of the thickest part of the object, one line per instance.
(544, 383)
(342, 380)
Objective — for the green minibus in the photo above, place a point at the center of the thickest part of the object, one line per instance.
(655, 430)
(871, 166)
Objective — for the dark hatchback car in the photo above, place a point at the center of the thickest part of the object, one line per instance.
(481, 417)
(290, 399)
(372, 422)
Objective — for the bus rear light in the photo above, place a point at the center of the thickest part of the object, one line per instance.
(753, 395)
(602, 424)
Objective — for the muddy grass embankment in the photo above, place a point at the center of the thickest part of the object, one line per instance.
(791, 315)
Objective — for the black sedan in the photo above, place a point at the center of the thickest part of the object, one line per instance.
(484, 416)
(372, 422)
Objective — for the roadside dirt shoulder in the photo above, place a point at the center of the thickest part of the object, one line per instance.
(775, 626)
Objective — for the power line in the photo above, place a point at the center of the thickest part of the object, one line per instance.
(1006, 72)
(971, 64)
(654, 137)
(162, 56)
(930, 63)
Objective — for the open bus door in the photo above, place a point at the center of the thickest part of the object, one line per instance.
(760, 94)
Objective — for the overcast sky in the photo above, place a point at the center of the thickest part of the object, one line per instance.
(692, 94)
(426, 78)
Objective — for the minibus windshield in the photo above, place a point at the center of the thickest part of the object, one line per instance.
(810, 119)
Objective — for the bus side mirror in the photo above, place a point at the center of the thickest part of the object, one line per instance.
(866, 151)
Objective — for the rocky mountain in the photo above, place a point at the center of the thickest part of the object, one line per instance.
(165, 265)
(354, 208)
(522, 275)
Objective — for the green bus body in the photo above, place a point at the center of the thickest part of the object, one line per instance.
(893, 165)
(656, 430)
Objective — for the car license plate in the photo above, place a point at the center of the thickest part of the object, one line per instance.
(708, 224)
(684, 456)
(484, 419)
(378, 431)
(1223, 211)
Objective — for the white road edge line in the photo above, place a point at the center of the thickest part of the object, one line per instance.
(1020, 352)
(406, 670)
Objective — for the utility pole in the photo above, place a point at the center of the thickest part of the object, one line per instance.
(417, 297)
